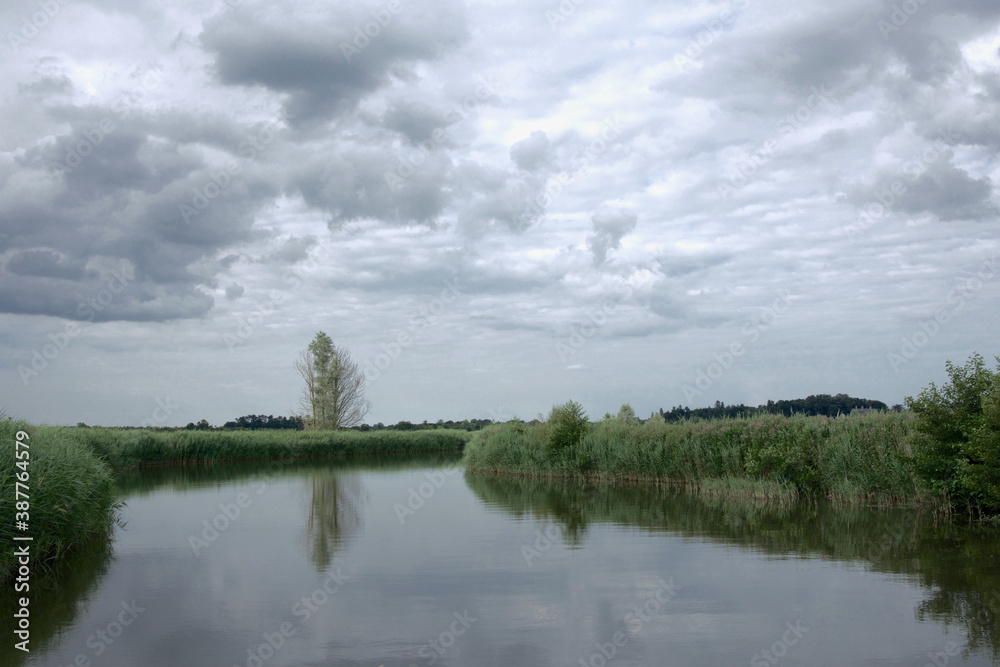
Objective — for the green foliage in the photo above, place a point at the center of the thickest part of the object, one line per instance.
(333, 396)
(71, 493)
(961, 455)
(568, 424)
(773, 450)
(627, 416)
(851, 459)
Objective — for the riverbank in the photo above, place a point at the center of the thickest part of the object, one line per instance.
(67, 497)
(123, 449)
(864, 459)
(71, 471)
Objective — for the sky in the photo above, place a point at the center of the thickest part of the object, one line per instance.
(493, 206)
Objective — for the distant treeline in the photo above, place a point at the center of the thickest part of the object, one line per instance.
(818, 405)
(464, 425)
(259, 422)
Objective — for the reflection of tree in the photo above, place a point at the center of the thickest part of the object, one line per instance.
(334, 516)
(953, 561)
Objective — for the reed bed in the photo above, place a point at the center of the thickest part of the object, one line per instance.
(123, 449)
(71, 497)
(857, 459)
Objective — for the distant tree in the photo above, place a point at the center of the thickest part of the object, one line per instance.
(627, 414)
(334, 386)
(257, 422)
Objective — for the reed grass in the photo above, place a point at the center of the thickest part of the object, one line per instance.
(857, 459)
(71, 497)
(123, 449)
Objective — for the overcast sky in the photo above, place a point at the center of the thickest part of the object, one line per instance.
(515, 203)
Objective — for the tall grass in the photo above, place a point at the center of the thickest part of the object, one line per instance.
(856, 459)
(132, 448)
(71, 496)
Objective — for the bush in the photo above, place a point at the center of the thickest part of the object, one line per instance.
(961, 455)
(569, 425)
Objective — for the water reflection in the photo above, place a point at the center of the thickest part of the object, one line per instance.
(957, 563)
(63, 593)
(60, 597)
(335, 511)
(141, 482)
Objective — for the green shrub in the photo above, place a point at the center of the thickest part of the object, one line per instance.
(961, 455)
(569, 425)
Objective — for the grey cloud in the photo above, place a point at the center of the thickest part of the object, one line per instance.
(495, 199)
(234, 292)
(354, 186)
(292, 250)
(117, 195)
(47, 87)
(46, 264)
(609, 228)
(306, 58)
(532, 153)
(415, 120)
(82, 300)
(950, 193)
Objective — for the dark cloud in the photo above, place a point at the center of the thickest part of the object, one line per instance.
(950, 193)
(326, 63)
(45, 264)
(110, 191)
(362, 183)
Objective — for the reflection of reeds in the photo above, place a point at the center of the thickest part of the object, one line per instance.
(852, 459)
(952, 561)
(334, 516)
(62, 592)
(736, 488)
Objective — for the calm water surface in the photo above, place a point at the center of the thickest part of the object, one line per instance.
(347, 564)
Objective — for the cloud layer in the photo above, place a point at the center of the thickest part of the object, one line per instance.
(328, 166)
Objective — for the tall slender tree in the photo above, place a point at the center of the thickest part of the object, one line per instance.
(334, 393)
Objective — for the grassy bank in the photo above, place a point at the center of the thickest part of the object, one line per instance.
(71, 495)
(72, 470)
(134, 448)
(860, 459)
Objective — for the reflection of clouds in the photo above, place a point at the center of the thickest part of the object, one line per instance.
(334, 516)
(959, 589)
